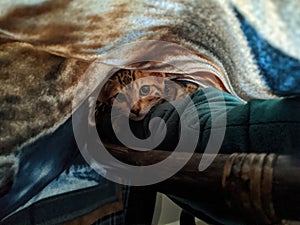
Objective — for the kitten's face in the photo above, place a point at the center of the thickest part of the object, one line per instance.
(134, 92)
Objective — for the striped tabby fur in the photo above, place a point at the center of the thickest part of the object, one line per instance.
(137, 91)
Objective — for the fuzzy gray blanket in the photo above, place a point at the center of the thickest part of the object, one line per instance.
(48, 47)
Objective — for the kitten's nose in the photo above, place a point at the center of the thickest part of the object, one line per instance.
(135, 111)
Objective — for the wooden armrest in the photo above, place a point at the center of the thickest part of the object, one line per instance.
(244, 188)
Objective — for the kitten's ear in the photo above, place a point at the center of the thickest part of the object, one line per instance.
(158, 76)
(106, 91)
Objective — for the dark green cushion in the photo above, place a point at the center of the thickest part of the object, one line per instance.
(271, 125)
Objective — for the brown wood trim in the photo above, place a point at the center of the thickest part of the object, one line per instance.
(248, 188)
(267, 190)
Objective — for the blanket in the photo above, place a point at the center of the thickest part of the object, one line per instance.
(54, 51)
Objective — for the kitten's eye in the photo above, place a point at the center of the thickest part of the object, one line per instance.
(145, 90)
(121, 97)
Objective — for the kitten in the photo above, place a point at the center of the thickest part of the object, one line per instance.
(135, 92)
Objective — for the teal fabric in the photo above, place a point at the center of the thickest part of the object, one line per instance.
(271, 125)
(259, 125)
(264, 126)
